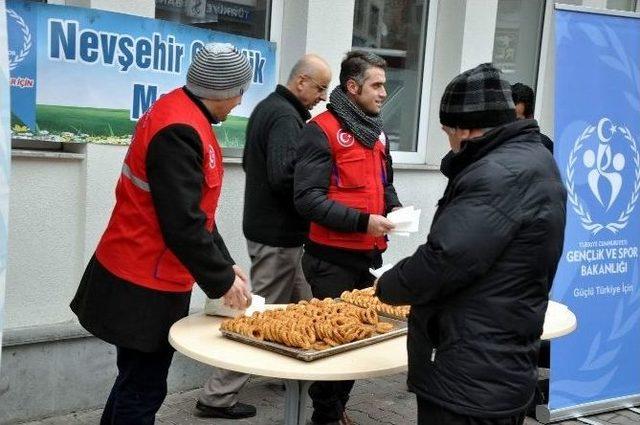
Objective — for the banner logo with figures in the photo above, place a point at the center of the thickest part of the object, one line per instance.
(603, 158)
(19, 48)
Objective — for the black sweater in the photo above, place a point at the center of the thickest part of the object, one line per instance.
(269, 159)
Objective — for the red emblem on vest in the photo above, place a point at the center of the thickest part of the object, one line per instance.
(212, 157)
(345, 139)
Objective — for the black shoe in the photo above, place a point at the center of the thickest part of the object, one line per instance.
(344, 420)
(237, 411)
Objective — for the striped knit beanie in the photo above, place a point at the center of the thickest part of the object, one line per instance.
(218, 71)
(477, 98)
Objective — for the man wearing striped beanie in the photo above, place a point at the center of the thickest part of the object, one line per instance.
(162, 235)
(479, 286)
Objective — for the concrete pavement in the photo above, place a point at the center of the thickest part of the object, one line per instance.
(374, 401)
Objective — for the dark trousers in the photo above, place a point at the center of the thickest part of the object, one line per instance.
(433, 414)
(541, 395)
(330, 280)
(140, 387)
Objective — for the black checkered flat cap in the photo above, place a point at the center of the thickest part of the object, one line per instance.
(477, 98)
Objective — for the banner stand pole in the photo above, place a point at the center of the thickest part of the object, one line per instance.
(545, 415)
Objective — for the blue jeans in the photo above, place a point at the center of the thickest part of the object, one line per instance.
(140, 387)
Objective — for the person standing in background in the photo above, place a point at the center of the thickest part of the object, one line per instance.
(525, 100)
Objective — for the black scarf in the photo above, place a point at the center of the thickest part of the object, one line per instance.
(366, 128)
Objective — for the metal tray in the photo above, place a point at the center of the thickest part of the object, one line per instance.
(380, 313)
(392, 316)
(400, 328)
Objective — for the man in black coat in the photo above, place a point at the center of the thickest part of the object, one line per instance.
(273, 229)
(478, 288)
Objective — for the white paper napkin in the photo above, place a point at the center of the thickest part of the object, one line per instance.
(406, 220)
(216, 307)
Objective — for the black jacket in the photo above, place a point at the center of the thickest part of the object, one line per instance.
(547, 142)
(273, 134)
(479, 286)
(312, 178)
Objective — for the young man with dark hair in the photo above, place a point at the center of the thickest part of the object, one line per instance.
(343, 185)
(525, 100)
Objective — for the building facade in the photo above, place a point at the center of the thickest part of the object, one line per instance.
(61, 198)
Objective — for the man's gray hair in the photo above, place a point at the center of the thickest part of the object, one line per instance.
(306, 65)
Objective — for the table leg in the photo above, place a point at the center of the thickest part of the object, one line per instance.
(295, 401)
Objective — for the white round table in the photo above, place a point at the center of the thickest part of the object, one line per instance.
(558, 321)
(198, 337)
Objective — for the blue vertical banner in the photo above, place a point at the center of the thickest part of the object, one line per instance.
(597, 130)
(5, 151)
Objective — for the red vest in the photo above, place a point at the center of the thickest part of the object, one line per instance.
(357, 181)
(132, 247)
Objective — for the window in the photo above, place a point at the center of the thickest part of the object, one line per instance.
(374, 18)
(518, 35)
(358, 17)
(241, 17)
(628, 5)
(396, 30)
(516, 47)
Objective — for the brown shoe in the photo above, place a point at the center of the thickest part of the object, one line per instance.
(345, 420)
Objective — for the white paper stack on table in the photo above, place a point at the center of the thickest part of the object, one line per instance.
(216, 307)
(406, 220)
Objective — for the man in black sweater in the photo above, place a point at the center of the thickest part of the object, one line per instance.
(344, 186)
(273, 229)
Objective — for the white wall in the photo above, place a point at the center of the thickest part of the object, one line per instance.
(58, 211)
(309, 26)
(45, 239)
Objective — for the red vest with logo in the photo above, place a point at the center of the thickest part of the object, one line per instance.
(357, 181)
(132, 247)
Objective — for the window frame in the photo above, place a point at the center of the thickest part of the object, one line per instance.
(419, 157)
(275, 18)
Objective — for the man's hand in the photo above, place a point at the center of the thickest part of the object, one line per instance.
(379, 225)
(239, 295)
(241, 274)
